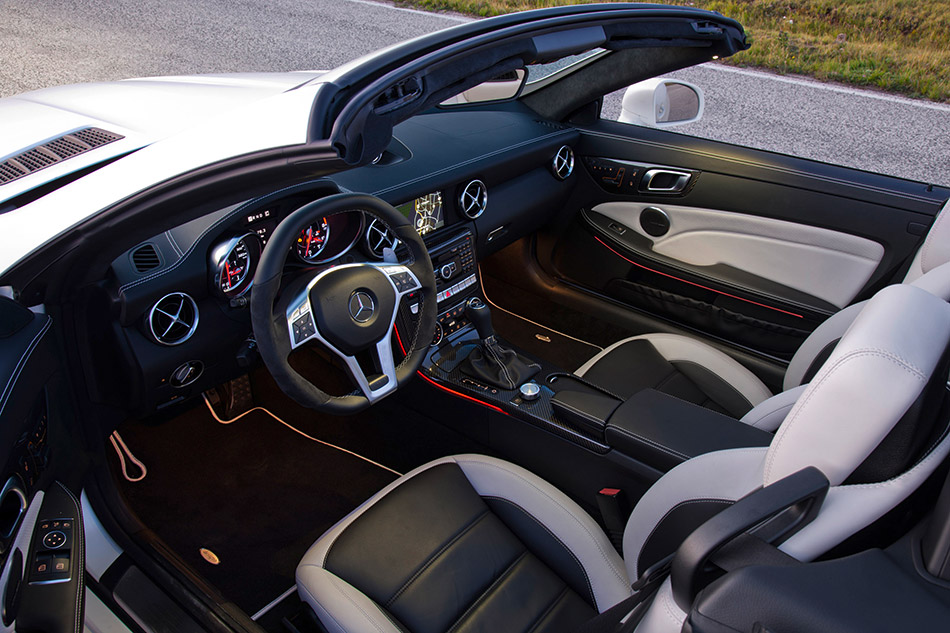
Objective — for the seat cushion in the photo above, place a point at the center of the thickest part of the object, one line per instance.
(431, 553)
(678, 366)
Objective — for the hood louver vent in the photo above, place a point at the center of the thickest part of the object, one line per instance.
(563, 163)
(173, 319)
(145, 258)
(55, 151)
(474, 199)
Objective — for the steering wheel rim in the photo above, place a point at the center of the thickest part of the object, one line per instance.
(277, 333)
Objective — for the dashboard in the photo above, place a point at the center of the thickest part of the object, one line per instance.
(176, 305)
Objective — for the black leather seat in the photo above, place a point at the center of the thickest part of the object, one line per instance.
(473, 543)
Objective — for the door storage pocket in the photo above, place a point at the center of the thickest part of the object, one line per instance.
(778, 336)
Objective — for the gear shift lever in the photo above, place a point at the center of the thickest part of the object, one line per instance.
(478, 313)
(490, 362)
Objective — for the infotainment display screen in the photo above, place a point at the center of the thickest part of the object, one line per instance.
(425, 212)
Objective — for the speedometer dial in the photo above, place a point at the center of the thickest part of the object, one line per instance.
(236, 265)
(312, 240)
(233, 263)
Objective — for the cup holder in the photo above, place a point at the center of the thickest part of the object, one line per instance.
(12, 507)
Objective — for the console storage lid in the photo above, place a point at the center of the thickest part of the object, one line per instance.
(662, 431)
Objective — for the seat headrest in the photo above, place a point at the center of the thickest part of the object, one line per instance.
(879, 369)
(936, 281)
(936, 247)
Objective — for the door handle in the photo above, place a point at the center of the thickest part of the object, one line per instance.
(665, 181)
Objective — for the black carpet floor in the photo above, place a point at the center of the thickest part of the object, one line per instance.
(256, 493)
(253, 492)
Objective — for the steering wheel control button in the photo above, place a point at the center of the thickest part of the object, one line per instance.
(362, 306)
(530, 391)
(303, 329)
(54, 539)
(403, 281)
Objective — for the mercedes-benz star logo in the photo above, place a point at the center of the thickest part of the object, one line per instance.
(362, 307)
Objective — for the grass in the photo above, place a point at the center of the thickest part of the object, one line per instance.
(900, 46)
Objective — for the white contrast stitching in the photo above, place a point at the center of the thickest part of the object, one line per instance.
(18, 369)
(557, 504)
(788, 423)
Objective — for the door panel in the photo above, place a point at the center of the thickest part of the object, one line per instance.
(41, 540)
(759, 249)
(787, 253)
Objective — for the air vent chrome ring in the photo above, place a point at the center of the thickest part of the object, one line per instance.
(379, 237)
(173, 319)
(563, 163)
(474, 199)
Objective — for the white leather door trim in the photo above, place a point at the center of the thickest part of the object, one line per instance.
(826, 264)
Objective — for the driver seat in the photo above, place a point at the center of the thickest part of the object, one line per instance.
(473, 543)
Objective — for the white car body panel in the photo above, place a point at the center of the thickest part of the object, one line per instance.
(226, 117)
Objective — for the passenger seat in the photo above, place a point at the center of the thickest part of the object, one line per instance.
(687, 368)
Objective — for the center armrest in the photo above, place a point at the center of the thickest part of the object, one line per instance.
(663, 431)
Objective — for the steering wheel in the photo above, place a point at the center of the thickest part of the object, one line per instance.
(350, 308)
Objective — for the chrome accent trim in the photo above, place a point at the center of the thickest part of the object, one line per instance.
(300, 307)
(219, 255)
(474, 199)
(356, 238)
(383, 236)
(176, 320)
(563, 163)
(13, 487)
(681, 181)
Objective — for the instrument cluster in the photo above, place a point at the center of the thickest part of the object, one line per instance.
(233, 260)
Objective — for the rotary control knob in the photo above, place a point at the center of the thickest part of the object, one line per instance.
(530, 391)
(437, 334)
(446, 271)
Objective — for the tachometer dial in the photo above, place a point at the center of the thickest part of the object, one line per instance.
(233, 264)
(312, 240)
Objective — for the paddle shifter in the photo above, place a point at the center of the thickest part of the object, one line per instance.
(490, 362)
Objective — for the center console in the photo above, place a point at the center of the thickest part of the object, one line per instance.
(650, 428)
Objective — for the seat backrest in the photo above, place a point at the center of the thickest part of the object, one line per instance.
(878, 400)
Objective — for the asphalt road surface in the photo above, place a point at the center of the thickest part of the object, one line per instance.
(52, 42)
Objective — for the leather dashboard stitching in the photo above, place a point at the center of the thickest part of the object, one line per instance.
(568, 132)
(590, 587)
(216, 224)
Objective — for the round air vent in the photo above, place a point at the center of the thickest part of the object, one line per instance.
(380, 237)
(563, 163)
(474, 199)
(173, 319)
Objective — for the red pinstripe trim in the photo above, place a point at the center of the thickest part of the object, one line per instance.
(443, 388)
(726, 294)
(461, 395)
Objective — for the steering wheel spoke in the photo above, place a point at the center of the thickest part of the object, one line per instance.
(350, 308)
(378, 385)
